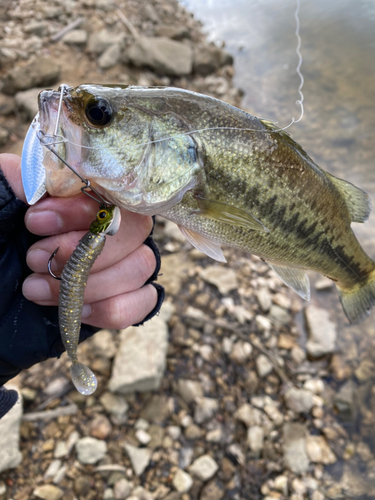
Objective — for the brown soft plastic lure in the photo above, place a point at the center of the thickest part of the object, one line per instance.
(73, 283)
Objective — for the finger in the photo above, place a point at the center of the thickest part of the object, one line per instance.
(128, 275)
(10, 164)
(134, 229)
(123, 310)
(61, 215)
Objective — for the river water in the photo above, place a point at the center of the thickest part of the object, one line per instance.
(337, 131)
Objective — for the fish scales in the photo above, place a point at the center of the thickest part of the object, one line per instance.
(224, 176)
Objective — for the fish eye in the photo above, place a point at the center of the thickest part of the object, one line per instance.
(102, 214)
(98, 112)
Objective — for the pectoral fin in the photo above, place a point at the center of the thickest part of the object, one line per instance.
(295, 278)
(222, 212)
(204, 245)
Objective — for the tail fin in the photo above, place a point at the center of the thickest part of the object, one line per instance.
(357, 302)
(83, 378)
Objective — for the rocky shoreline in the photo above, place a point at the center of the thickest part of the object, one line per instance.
(225, 395)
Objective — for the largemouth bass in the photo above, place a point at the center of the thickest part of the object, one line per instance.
(224, 176)
(73, 283)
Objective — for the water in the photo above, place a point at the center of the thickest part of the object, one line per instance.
(337, 131)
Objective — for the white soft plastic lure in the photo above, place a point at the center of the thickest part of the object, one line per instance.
(32, 168)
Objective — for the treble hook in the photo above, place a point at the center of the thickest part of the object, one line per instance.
(50, 263)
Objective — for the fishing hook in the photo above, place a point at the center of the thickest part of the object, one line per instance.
(50, 264)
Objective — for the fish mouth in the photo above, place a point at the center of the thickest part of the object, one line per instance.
(58, 131)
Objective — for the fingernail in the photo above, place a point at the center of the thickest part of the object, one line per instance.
(44, 222)
(37, 289)
(86, 311)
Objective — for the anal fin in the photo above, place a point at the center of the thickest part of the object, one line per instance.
(293, 277)
(203, 244)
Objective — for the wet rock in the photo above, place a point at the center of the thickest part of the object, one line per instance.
(162, 55)
(205, 409)
(263, 365)
(116, 405)
(4, 136)
(75, 37)
(224, 278)
(122, 489)
(208, 58)
(10, 456)
(156, 410)
(189, 390)
(318, 450)
(212, 491)
(90, 450)
(322, 332)
(248, 415)
(299, 400)
(110, 56)
(204, 467)
(173, 32)
(48, 492)
(43, 71)
(102, 40)
(7, 105)
(294, 441)
(255, 437)
(139, 457)
(27, 102)
(38, 28)
(182, 481)
(140, 360)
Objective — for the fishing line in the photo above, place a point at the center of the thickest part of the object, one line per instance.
(299, 102)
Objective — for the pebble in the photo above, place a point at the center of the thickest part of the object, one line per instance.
(6, 106)
(42, 72)
(322, 332)
(38, 28)
(53, 467)
(365, 370)
(248, 415)
(10, 456)
(344, 399)
(122, 489)
(174, 432)
(116, 405)
(212, 491)
(299, 400)
(139, 458)
(279, 315)
(189, 390)
(182, 481)
(224, 278)
(100, 41)
(241, 352)
(76, 37)
(110, 56)
(4, 136)
(215, 436)
(263, 323)
(323, 284)
(61, 450)
(315, 385)
(82, 485)
(274, 414)
(294, 447)
(100, 427)
(48, 492)
(281, 484)
(205, 409)
(90, 450)
(156, 410)
(209, 58)
(319, 451)
(264, 298)
(204, 467)
(3, 488)
(141, 358)
(142, 436)
(263, 365)
(255, 438)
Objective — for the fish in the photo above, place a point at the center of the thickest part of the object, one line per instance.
(73, 283)
(223, 176)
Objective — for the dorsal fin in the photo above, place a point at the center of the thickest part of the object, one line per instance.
(357, 201)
